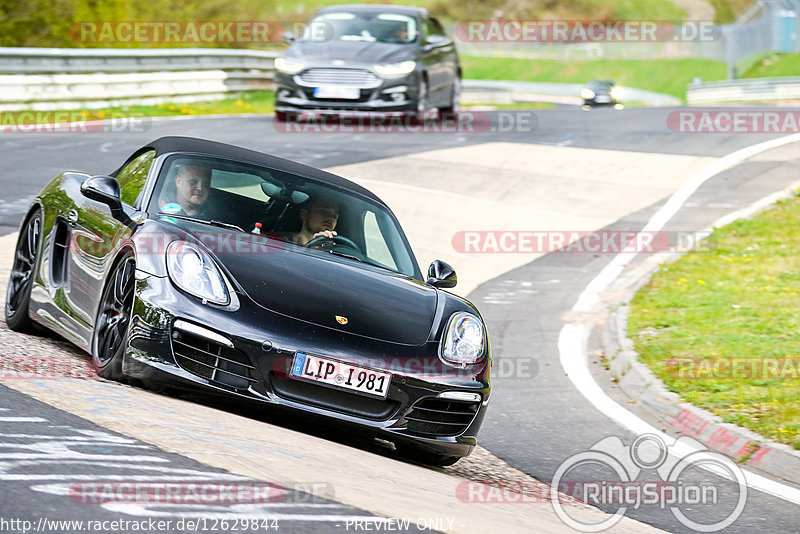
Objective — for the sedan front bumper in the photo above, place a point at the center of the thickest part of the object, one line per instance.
(360, 90)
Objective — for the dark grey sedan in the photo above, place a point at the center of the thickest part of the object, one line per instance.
(369, 58)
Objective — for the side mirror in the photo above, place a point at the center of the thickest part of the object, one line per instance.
(441, 275)
(105, 189)
(288, 36)
(435, 40)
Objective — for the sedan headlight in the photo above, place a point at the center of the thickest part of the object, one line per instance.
(193, 270)
(617, 93)
(586, 93)
(287, 65)
(395, 69)
(463, 340)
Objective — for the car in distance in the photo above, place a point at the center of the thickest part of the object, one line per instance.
(345, 327)
(601, 93)
(369, 58)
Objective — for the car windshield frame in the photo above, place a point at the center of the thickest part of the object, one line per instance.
(236, 194)
(376, 26)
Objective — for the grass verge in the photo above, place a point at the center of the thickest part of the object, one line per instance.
(776, 65)
(661, 76)
(251, 102)
(721, 326)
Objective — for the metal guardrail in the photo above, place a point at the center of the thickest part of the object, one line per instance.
(753, 90)
(56, 78)
(51, 78)
(502, 92)
(111, 60)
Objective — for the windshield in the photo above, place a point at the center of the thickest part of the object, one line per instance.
(370, 27)
(308, 216)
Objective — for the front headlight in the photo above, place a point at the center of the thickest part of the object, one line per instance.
(463, 340)
(617, 93)
(395, 69)
(586, 93)
(287, 65)
(193, 270)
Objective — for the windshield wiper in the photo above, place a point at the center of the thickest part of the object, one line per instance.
(343, 255)
(219, 224)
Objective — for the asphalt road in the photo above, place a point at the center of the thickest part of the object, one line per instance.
(47, 455)
(536, 421)
(30, 160)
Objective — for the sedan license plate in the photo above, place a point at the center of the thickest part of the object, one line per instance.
(603, 98)
(336, 92)
(341, 375)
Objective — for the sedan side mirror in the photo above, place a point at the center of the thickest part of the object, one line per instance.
(105, 189)
(441, 275)
(436, 40)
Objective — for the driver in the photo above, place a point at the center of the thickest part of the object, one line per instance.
(319, 216)
(193, 184)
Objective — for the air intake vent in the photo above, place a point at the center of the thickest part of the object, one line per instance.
(212, 361)
(440, 417)
(351, 77)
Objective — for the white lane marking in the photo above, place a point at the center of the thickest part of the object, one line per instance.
(22, 420)
(135, 509)
(573, 338)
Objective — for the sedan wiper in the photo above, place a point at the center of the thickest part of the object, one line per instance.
(203, 221)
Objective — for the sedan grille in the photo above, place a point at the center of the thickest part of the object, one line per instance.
(352, 77)
(439, 417)
(220, 364)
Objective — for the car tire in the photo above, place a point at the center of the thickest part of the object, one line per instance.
(113, 317)
(455, 99)
(20, 283)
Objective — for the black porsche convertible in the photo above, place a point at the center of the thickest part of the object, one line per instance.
(206, 266)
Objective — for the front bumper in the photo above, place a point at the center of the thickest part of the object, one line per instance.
(297, 92)
(248, 352)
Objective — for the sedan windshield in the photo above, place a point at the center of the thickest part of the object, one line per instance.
(306, 215)
(343, 26)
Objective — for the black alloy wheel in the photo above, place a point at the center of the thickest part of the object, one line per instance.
(113, 317)
(18, 293)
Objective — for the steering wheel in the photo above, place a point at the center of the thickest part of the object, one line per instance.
(321, 242)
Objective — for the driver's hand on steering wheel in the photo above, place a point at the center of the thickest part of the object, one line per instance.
(325, 233)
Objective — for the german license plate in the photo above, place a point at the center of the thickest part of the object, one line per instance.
(341, 375)
(338, 93)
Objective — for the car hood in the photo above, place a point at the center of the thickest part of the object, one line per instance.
(375, 303)
(351, 52)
